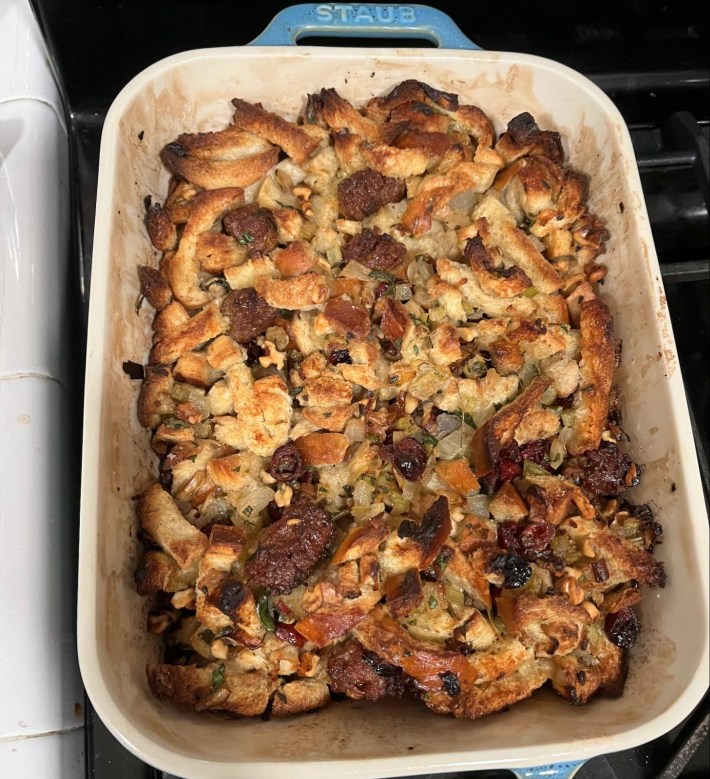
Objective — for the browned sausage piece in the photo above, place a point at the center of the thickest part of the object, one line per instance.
(253, 227)
(367, 191)
(374, 250)
(359, 674)
(249, 314)
(154, 287)
(606, 471)
(290, 549)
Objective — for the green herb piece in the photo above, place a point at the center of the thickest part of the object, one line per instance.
(530, 292)
(369, 479)
(533, 469)
(415, 349)
(566, 328)
(431, 440)
(380, 275)
(207, 636)
(442, 559)
(218, 676)
(433, 602)
(295, 391)
(175, 424)
(245, 238)
(265, 611)
(394, 378)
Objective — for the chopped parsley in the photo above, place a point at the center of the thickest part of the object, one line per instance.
(245, 238)
(218, 676)
(433, 602)
(265, 611)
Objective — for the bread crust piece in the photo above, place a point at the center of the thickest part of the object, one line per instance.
(161, 519)
(184, 266)
(596, 371)
(299, 696)
(294, 140)
(229, 158)
(216, 687)
(198, 330)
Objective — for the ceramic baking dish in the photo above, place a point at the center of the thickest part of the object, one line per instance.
(192, 92)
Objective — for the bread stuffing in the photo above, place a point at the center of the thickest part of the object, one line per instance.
(390, 458)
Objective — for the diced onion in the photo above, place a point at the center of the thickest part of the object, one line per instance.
(528, 373)
(557, 453)
(419, 271)
(289, 174)
(362, 494)
(548, 396)
(355, 430)
(479, 506)
(402, 292)
(565, 435)
(253, 499)
(454, 445)
(410, 490)
(354, 270)
(446, 424)
(214, 509)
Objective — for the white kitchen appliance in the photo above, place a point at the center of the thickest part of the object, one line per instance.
(41, 717)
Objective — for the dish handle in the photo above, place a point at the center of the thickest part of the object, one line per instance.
(553, 771)
(378, 20)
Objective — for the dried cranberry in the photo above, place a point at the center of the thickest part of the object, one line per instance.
(537, 537)
(623, 627)
(382, 288)
(274, 511)
(600, 570)
(310, 476)
(535, 451)
(508, 470)
(509, 537)
(286, 464)
(254, 351)
(338, 356)
(289, 634)
(390, 351)
(515, 570)
(565, 402)
(409, 458)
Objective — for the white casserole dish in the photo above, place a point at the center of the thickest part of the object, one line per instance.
(669, 666)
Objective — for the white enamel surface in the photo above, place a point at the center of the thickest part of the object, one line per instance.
(25, 72)
(58, 755)
(34, 240)
(669, 665)
(38, 670)
(41, 730)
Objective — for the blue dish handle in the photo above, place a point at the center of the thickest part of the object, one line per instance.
(378, 20)
(552, 771)
(381, 20)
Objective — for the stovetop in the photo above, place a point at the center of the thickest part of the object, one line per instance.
(649, 56)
